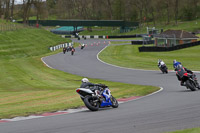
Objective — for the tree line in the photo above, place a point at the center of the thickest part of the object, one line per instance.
(130, 10)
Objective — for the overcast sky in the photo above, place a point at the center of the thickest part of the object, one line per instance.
(21, 1)
(18, 1)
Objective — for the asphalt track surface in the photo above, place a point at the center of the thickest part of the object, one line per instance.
(174, 108)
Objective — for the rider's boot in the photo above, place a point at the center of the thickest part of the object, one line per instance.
(197, 84)
(182, 83)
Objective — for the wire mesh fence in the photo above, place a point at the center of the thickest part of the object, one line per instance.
(11, 27)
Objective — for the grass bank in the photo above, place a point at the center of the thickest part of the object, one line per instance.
(27, 86)
(193, 130)
(129, 56)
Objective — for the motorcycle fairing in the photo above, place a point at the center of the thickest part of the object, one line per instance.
(83, 92)
(104, 103)
(181, 72)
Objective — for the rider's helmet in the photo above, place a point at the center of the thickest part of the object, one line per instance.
(85, 80)
(179, 66)
(174, 61)
(159, 60)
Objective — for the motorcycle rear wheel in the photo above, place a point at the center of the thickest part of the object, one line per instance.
(190, 85)
(93, 106)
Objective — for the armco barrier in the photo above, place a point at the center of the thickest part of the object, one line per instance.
(105, 37)
(85, 36)
(162, 49)
(122, 36)
(136, 42)
(127, 36)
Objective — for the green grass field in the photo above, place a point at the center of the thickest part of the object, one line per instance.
(27, 86)
(129, 56)
(193, 130)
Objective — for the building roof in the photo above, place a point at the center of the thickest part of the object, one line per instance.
(179, 34)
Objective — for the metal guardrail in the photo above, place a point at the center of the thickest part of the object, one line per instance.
(162, 49)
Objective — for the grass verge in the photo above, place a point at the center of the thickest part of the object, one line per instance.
(129, 56)
(193, 130)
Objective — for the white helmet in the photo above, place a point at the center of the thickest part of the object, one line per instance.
(174, 61)
(85, 80)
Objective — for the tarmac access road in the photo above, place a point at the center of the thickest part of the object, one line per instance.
(174, 108)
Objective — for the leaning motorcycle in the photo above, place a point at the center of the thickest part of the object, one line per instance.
(97, 97)
(64, 50)
(189, 79)
(72, 51)
(163, 68)
(82, 46)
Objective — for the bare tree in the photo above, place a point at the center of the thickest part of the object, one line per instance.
(138, 4)
(168, 3)
(176, 10)
(7, 13)
(38, 6)
(110, 9)
(26, 9)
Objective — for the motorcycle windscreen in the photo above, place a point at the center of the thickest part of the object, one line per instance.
(181, 72)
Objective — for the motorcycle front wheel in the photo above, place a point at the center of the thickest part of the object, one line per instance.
(90, 104)
(166, 71)
(115, 103)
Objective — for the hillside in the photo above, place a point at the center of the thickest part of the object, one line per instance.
(27, 42)
(28, 87)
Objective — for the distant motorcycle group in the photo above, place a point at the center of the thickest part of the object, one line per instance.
(186, 77)
(71, 48)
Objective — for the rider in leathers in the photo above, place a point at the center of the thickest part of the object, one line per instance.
(87, 84)
(179, 68)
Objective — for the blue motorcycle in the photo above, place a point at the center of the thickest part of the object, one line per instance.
(97, 97)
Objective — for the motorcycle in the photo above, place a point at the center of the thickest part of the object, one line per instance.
(72, 51)
(82, 46)
(97, 97)
(189, 79)
(163, 68)
(64, 50)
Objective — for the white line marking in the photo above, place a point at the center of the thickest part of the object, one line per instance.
(161, 89)
(46, 63)
(119, 66)
(129, 68)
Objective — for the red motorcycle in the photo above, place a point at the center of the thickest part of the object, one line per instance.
(64, 50)
(189, 79)
(72, 51)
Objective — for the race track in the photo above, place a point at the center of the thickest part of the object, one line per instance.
(174, 108)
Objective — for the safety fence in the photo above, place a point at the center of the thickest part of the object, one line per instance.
(142, 42)
(85, 36)
(104, 36)
(125, 36)
(54, 48)
(162, 49)
(11, 27)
